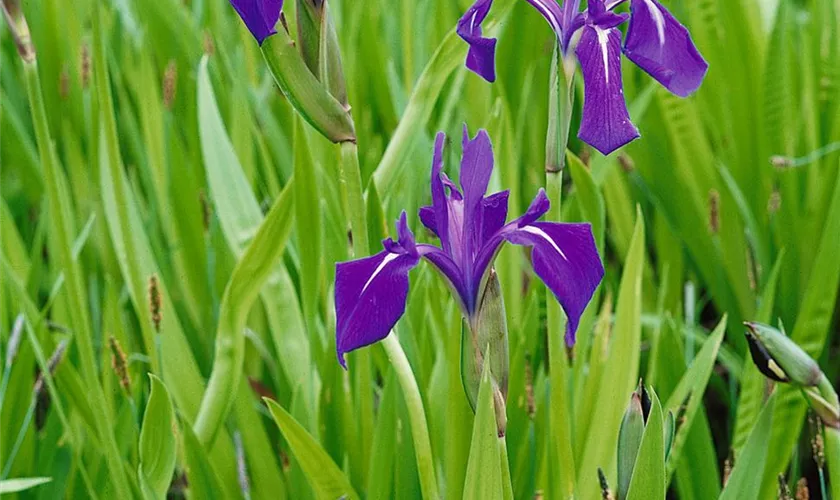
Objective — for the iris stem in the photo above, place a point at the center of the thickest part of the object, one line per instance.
(416, 415)
(832, 455)
(561, 94)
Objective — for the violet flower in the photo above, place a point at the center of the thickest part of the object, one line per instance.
(259, 16)
(655, 41)
(370, 293)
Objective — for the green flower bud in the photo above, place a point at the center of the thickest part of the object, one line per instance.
(306, 94)
(779, 358)
(487, 332)
(630, 437)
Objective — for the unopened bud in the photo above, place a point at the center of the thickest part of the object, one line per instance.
(118, 363)
(630, 437)
(780, 359)
(488, 328)
(155, 303)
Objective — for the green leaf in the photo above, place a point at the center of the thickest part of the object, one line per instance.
(157, 442)
(239, 217)
(620, 372)
(309, 230)
(745, 481)
(324, 475)
(483, 478)
(202, 479)
(648, 481)
(691, 387)
(22, 484)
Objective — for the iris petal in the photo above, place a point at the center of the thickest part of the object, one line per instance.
(370, 296)
(605, 124)
(481, 57)
(661, 46)
(495, 208)
(566, 259)
(476, 168)
(259, 16)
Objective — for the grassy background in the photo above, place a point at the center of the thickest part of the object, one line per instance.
(150, 163)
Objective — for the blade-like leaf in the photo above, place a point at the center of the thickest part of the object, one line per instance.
(745, 481)
(324, 475)
(483, 478)
(648, 481)
(22, 484)
(157, 442)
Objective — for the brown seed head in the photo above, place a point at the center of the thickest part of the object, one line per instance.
(774, 203)
(714, 211)
(64, 84)
(817, 443)
(170, 83)
(155, 306)
(727, 467)
(529, 387)
(118, 363)
(208, 44)
(802, 492)
(84, 65)
(626, 163)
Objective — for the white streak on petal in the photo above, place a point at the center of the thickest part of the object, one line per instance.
(388, 258)
(539, 232)
(658, 19)
(604, 40)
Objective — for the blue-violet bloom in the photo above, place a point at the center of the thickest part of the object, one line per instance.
(370, 293)
(655, 41)
(259, 16)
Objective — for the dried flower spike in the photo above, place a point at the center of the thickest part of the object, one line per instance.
(155, 305)
(118, 363)
(170, 84)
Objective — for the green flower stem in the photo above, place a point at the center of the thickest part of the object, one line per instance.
(561, 93)
(75, 287)
(416, 415)
(832, 455)
(351, 188)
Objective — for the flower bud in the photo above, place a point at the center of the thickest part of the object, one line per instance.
(780, 359)
(303, 90)
(487, 330)
(630, 437)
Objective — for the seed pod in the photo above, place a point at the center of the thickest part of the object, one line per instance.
(630, 438)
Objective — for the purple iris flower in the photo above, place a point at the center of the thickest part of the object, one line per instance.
(655, 41)
(370, 293)
(259, 16)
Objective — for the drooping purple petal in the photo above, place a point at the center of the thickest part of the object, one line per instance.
(661, 46)
(448, 269)
(566, 260)
(481, 58)
(370, 297)
(494, 208)
(476, 168)
(605, 124)
(259, 16)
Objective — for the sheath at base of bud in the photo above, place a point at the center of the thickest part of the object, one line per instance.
(487, 332)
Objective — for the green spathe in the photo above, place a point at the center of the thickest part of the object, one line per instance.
(306, 94)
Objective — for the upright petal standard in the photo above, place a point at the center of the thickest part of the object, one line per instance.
(371, 293)
(655, 41)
